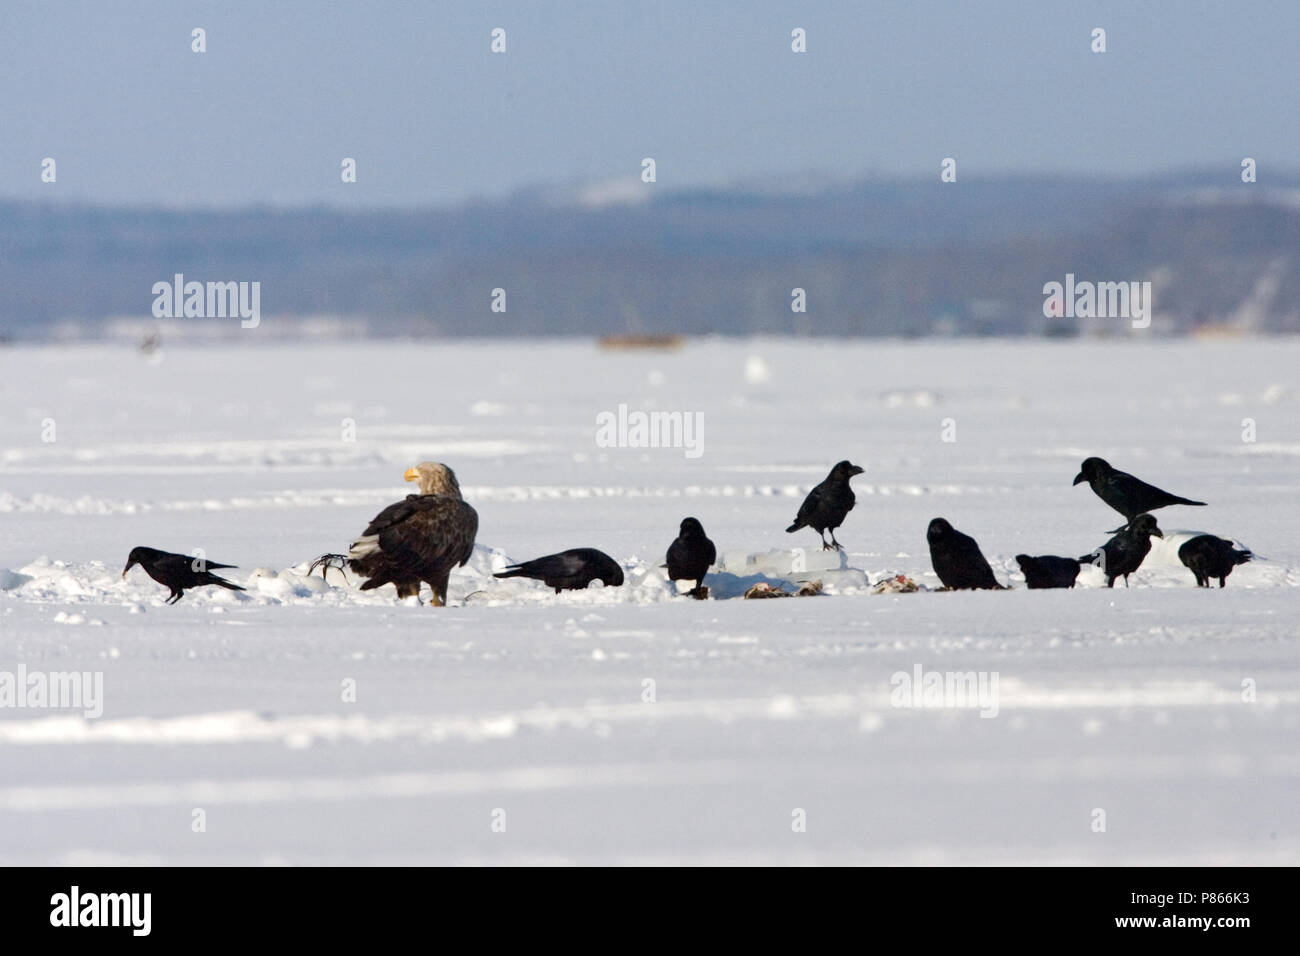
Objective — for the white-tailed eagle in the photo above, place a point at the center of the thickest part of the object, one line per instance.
(419, 539)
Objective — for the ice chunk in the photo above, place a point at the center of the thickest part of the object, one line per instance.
(797, 561)
(12, 580)
(740, 570)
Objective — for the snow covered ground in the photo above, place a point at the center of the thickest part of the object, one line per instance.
(630, 725)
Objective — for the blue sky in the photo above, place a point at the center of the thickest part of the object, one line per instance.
(710, 90)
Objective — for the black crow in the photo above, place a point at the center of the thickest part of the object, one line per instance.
(826, 505)
(569, 570)
(957, 559)
(419, 539)
(1128, 495)
(1048, 571)
(1211, 557)
(1124, 553)
(691, 555)
(177, 571)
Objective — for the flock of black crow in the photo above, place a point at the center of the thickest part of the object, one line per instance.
(959, 564)
(423, 537)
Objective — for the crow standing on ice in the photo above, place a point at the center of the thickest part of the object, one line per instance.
(826, 505)
(1124, 553)
(1128, 495)
(1048, 571)
(177, 571)
(691, 555)
(957, 559)
(1208, 557)
(570, 570)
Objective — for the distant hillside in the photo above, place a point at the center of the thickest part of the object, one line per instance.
(874, 258)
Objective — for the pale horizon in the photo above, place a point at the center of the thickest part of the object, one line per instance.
(283, 93)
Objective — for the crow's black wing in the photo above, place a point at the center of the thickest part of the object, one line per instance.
(962, 563)
(1131, 496)
(172, 562)
(1122, 553)
(566, 564)
(811, 507)
(978, 568)
(678, 555)
(175, 570)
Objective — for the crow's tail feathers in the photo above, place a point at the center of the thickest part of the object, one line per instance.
(514, 571)
(213, 579)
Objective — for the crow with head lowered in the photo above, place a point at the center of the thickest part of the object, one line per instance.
(1048, 571)
(1208, 556)
(957, 559)
(177, 571)
(570, 570)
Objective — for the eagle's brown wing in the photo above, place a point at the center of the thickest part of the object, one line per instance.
(394, 514)
(423, 537)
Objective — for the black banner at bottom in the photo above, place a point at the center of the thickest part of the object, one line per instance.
(335, 905)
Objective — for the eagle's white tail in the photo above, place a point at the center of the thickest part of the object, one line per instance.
(364, 547)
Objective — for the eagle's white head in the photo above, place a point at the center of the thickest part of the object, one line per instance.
(434, 478)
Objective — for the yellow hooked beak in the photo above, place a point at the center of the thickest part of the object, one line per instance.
(412, 474)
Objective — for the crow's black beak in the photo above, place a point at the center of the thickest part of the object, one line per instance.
(126, 569)
(1078, 478)
(1157, 532)
(857, 470)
